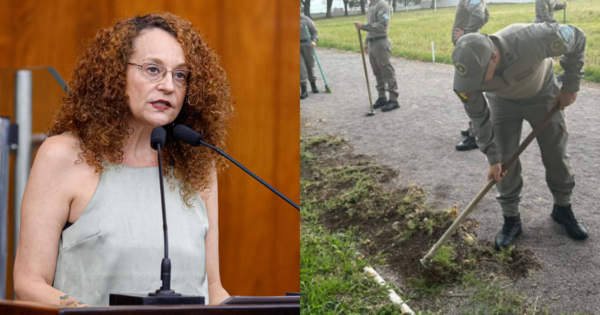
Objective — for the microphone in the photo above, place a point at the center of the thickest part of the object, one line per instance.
(187, 135)
(191, 137)
(164, 295)
(158, 138)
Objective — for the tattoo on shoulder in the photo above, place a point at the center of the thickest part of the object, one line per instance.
(68, 301)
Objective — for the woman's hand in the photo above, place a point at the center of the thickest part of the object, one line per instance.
(66, 300)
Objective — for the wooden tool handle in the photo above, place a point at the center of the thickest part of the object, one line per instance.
(489, 185)
(362, 52)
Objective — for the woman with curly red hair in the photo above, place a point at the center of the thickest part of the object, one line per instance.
(91, 218)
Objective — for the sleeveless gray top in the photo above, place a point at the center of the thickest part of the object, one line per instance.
(116, 245)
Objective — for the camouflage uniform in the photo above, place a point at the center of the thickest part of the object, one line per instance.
(471, 16)
(523, 88)
(544, 10)
(307, 58)
(380, 48)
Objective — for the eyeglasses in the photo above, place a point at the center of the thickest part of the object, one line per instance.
(155, 73)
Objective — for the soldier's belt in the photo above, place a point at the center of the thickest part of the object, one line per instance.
(370, 40)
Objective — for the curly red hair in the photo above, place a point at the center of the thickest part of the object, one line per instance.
(97, 109)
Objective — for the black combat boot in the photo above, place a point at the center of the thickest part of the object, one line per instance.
(391, 105)
(564, 215)
(303, 93)
(313, 86)
(380, 102)
(510, 230)
(467, 144)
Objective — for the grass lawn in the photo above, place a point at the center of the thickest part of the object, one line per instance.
(412, 32)
(332, 280)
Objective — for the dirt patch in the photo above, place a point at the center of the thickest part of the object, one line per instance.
(355, 194)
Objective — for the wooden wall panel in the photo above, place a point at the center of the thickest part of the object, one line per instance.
(258, 43)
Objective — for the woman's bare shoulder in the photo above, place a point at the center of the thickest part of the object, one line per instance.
(60, 152)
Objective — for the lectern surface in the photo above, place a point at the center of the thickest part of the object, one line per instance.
(27, 308)
(251, 300)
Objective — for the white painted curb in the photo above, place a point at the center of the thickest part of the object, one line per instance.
(393, 296)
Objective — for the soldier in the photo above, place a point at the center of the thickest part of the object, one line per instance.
(307, 59)
(515, 68)
(379, 49)
(544, 10)
(471, 16)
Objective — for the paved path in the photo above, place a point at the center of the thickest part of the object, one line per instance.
(418, 140)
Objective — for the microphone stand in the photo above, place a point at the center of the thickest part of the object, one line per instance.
(251, 174)
(164, 295)
(165, 268)
(193, 138)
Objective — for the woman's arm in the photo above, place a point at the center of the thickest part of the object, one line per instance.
(50, 192)
(216, 291)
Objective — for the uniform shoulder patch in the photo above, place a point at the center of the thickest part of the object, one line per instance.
(474, 2)
(557, 45)
(385, 16)
(566, 32)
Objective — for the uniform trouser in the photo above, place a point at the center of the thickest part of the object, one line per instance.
(308, 59)
(539, 19)
(380, 52)
(303, 74)
(471, 134)
(507, 119)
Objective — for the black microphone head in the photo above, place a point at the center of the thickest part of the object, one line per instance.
(187, 135)
(158, 136)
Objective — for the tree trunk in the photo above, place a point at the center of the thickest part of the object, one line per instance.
(394, 5)
(329, 3)
(362, 6)
(307, 8)
(346, 7)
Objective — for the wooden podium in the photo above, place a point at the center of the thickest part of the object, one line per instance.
(30, 308)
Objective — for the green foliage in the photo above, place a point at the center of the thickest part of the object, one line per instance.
(426, 286)
(411, 33)
(332, 279)
(446, 257)
(505, 254)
